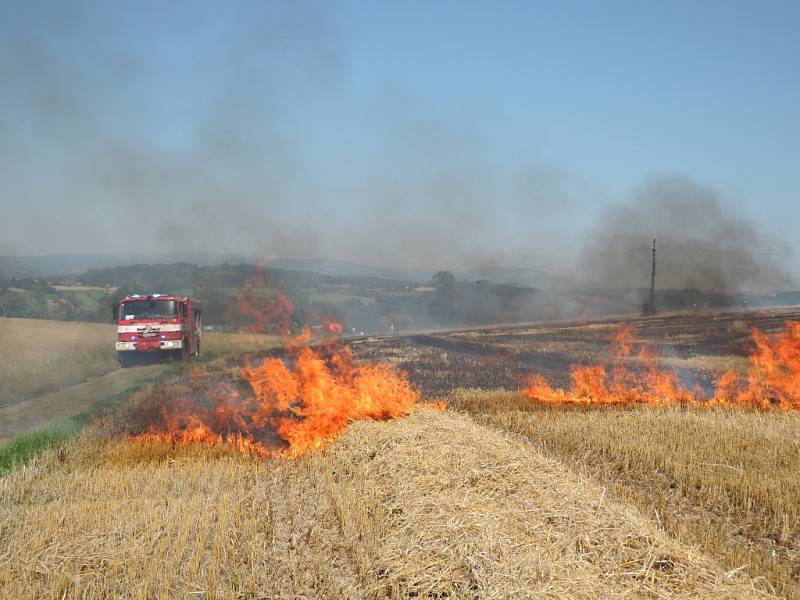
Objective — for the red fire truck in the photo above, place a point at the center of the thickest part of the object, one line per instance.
(156, 324)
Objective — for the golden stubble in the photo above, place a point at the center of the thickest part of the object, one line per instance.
(432, 505)
(724, 479)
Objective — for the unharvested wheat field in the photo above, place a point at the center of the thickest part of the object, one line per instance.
(39, 356)
(233, 344)
(50, 370)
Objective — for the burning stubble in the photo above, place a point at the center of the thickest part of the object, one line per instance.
(291, 405)
(772, 380)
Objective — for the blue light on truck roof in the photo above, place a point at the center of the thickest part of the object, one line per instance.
(135, 296)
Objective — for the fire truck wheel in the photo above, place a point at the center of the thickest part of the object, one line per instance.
(126, 359)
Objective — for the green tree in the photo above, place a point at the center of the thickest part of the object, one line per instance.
(443, 306)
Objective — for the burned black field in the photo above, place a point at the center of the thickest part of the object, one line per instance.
(697, 345)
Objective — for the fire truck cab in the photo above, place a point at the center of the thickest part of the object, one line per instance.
(156, 324)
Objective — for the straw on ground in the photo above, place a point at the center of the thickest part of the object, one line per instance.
(433, 505)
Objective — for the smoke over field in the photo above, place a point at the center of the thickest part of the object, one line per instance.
(266, 160)
(705, 242)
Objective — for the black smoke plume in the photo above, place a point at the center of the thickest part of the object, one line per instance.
(704, 242)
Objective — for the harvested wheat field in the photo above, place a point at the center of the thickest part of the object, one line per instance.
(723, 479)
(430, 506)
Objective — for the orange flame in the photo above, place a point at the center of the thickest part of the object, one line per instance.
(263, 308)
(305, 405)
(772, 381)
(296, 405)
(315, 401)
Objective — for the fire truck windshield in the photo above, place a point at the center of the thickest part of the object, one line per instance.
(145, 309)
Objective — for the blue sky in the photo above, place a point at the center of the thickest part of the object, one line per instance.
(482, 125)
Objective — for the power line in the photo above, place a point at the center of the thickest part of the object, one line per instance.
(583, 260)
(597, 257)
(668, 249)
(726, 251)
(681, 239)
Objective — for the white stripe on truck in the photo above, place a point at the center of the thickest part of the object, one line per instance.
(143, 328)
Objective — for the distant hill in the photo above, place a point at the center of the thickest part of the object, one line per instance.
(59, 266)
(338, 268)
(63, 265)
(361, 297)
(184, 275)
(518, 276)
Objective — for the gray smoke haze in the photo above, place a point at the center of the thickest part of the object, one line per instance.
(99, 153)
(84, 171)
(705, 242)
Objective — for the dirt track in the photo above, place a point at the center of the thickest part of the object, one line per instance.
(29, 415)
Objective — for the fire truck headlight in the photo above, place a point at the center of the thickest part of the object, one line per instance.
(126, 346)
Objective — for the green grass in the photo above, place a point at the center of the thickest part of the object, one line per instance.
(86, 300)
(20, 451)
(337, 297)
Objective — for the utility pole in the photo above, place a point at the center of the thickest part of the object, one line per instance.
(652, 306)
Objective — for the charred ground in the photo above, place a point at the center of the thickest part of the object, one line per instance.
(696, 344)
